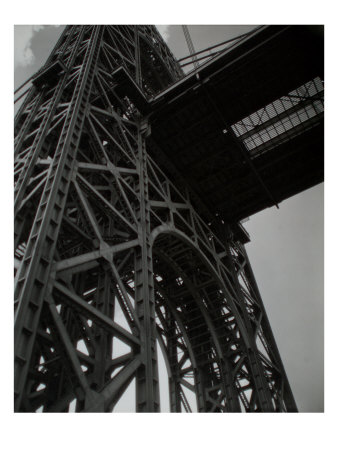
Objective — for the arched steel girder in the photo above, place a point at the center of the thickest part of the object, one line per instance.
(263, 398)
(226, 382)
(170, 229)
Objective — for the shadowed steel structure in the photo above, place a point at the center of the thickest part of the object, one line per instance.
(131, 179)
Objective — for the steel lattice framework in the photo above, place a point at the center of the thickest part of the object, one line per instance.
(101, 230)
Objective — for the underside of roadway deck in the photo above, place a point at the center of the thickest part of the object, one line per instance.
(246, 129)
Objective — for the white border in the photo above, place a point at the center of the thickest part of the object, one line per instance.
(165, 430)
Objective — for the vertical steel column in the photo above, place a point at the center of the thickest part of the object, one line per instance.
(34, 273)
(174, 386)
(138, 71)
(147, 385)
(104, 302)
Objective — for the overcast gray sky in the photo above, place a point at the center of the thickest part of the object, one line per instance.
(286, 248)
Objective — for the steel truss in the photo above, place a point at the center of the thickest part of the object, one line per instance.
(101, 232)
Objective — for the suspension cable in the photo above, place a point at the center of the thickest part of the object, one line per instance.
(193, 55)
(216, 45)
(191, 48)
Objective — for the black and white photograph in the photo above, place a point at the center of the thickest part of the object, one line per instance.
(168, 221)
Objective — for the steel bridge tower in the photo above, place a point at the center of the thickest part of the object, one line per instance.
(114, 249)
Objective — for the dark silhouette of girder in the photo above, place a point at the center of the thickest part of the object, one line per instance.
(110, 223)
